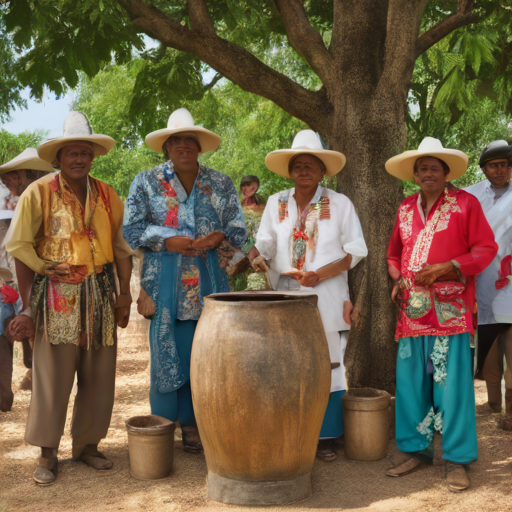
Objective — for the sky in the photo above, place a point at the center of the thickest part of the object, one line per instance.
(49, 114)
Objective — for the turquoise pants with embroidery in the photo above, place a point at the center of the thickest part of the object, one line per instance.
(432, 397)
(177, 404)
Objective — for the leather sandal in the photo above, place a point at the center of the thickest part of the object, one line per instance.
(46, 471)
(325, 451)
(191, 440)
(96, 459)
(456, 477)
(407, 467)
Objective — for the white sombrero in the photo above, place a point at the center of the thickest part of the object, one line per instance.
(6, 275)
(26, 160)
(181, 120)
(402, 166)
(305, 142)
(76, 129)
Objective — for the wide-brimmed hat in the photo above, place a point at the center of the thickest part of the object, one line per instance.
(181, 120)
(5, 275)
(402, 166)
(26, 160)
(305, 142)
(494, 150)
(76, 129)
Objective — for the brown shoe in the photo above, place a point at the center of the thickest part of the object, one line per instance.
(325, 451)
(46, 471)
(404, 469)
(505, 423)
(191, 440)
(456, 477)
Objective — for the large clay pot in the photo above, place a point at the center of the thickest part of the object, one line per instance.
(260, 376)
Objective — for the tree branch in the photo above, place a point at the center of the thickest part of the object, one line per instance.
(199, 16)
(465, 15)
(232, 61)
(305, 40)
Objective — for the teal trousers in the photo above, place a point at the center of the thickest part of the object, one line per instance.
(332, 425)
(177, 405)
(434, 392)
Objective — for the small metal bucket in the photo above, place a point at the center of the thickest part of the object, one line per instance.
(366, 423)
(151, 446)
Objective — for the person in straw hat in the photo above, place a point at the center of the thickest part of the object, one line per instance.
(440, 241)
(493, 289)
(16, 175)
(188, 221)
(308, 238)
(66, 236)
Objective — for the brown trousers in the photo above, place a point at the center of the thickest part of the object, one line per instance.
(492, 368)
(54, 368)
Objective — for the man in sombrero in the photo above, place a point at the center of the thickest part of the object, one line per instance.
(440, 241)
(16, 175)
(308, 238)
(187, 220)
(66, 236)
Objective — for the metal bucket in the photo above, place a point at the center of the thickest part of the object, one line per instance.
(151, 446)
(366, 423)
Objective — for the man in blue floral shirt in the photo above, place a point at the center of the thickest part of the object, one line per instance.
(188, 221)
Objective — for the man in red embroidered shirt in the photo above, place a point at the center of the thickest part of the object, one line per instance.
(440, 241)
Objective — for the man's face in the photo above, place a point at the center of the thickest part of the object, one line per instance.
(249, 190)
(75, 160)
(306, 171)
(11, 180)
(183, 150)
(430, 175)
(498, 172)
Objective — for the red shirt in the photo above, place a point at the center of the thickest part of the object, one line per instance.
(456, 230)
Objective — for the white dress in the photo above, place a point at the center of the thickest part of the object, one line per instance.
(337, 236)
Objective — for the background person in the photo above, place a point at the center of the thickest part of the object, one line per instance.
(493, 288)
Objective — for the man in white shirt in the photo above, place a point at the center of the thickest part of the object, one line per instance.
(310, 236)
(494, 291)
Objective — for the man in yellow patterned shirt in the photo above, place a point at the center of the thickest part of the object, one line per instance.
(65, 237)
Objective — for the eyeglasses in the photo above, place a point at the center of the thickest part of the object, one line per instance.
(497, 165)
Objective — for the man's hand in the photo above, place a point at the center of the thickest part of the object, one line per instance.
(309, 279)
(430, 273)
(347, 311)
(62, 269)
(208, 242)
(258, 264)
(181, 244)
(21, 327)
(122, 309)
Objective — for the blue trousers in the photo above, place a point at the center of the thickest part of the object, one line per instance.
(434, 391)
(177, 405)
(332, 425)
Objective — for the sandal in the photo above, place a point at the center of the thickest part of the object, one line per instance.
(325, 452)
(191, 440)
(46, 471)
(96, 460)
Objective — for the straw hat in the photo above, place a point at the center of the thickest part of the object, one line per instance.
(181, 120)
(76, 129)
(305, 142)
(402, 166)
(26, 160)
(6, 275)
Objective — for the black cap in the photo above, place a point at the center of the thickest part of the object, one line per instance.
(493, 150)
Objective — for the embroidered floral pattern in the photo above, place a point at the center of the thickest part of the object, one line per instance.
(405, 216)
(299, 246)
(431, 422)
(439, 358)
(190, 305)
(172, 203)
(438, 222)
(419, 302)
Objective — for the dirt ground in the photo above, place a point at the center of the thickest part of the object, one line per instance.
(340, 485)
